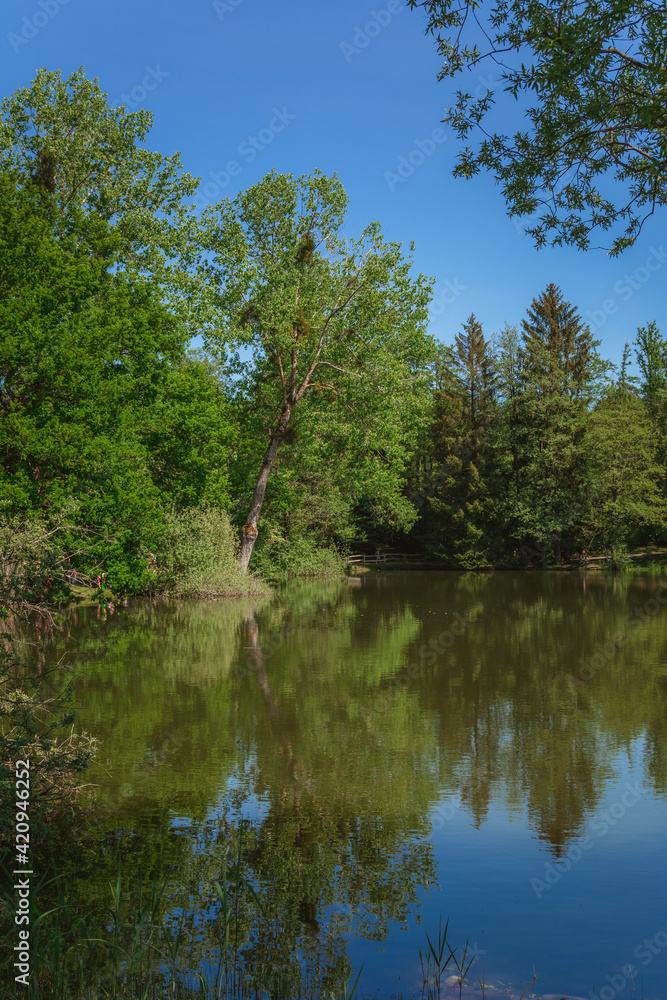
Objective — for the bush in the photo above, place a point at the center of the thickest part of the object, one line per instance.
(38, 728)
(281, 558)
(198, 555)
(35, 717)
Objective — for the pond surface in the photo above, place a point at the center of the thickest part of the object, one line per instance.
(402, 747)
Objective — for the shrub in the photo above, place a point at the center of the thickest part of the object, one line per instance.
(35, 717)
(299, 556)
(198, 555)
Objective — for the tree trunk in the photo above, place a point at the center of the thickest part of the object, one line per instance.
(249, 531)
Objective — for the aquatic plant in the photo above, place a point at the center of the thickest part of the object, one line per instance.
(434, 963)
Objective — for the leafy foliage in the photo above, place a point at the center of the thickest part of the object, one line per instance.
(320, 401)
(63, 138)
(332, 324)
(626, 477)
(590, 79)
(198, 555)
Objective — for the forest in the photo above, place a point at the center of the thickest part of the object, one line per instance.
(176, 387)
(265, 789)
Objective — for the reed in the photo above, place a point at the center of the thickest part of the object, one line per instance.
(133, 948)
(133, 951)
(436, 960)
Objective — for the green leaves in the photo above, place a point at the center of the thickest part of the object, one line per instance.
(98, 401)
(62, 138)
(596, 154)
(626, 475)
(333, 325)
(652, 360)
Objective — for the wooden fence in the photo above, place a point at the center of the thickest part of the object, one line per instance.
(387, 559)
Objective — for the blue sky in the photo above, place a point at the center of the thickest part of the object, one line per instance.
(243, 86)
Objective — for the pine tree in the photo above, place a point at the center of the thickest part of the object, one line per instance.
(464, 412)
(505, 441)
(559, 380)
(473, 368)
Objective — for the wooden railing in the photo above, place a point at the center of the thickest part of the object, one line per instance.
(387, 559)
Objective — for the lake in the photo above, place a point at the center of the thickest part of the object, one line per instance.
(397, 749)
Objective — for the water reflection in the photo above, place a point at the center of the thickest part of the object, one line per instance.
(348, 715)
(354, 695)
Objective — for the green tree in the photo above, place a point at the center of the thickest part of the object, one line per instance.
(599, 74)
(339, 476)
(625, 474)
(560, 371)
(626, 381)
(190, 432)
(651, 352)
(84, 351)
(508, 363)
(317, 315)
(464, 411)
(64, 138)
(474, 370)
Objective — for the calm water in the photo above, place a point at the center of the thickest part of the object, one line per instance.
(403, 747)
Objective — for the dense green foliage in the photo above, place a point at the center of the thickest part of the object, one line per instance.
(335, 327)
(126, 452)
(317, 390)
(539, 449)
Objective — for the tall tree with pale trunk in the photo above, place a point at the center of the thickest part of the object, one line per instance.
(298, 310)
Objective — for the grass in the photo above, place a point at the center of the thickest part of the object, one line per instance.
(132, 951)
(644, 562)
(300, 557)
(641, 568)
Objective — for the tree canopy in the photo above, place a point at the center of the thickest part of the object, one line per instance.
(336, 323)
(591, 82)
(64, 138)
(318, 399)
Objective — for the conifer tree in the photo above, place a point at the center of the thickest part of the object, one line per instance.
(559, 380)
(464, 412)
(473, 366)
(506, 463)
